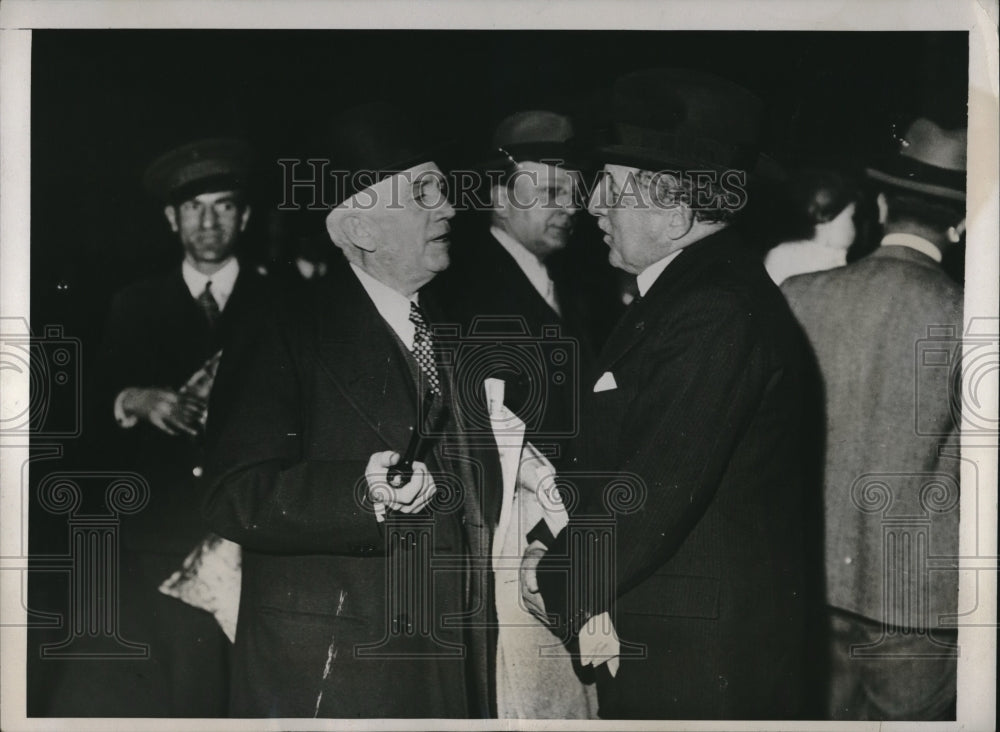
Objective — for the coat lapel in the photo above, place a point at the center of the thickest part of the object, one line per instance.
(632, 328)
(357, 351)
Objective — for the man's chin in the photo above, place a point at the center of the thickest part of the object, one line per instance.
(559, 237)
(616, 261)
(213, 255)
(440, 262)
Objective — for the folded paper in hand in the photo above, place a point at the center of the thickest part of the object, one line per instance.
(528, 656)
(201, 382)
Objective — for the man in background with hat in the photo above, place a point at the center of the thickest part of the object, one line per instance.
(503, 274)
(892, 435)
(694, 607)
(342, 613)
(507, 293)
(164, 339)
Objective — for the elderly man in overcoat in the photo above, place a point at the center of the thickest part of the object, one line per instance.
(689, 595)
(359, 597)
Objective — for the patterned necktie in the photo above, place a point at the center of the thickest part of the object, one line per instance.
(423, 349)
(208, 304)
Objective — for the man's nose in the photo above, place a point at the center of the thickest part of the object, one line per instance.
(568, 202)
(446, 210)
(208, 217)
(596, 203)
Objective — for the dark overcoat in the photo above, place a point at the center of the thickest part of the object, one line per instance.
(340, 615)
(541, 354)
(691, 456)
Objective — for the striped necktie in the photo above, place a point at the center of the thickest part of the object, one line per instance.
(208, 304)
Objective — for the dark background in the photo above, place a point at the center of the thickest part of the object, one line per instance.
(105, 103)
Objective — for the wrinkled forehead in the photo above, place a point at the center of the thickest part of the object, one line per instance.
(408, 184)
(397, 191)
(621, 174)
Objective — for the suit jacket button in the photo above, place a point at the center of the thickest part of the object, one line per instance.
(197, 471)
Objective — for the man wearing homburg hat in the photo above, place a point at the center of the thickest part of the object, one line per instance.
(163, 341)
(693, 605)
(892, 438)
(356, 595)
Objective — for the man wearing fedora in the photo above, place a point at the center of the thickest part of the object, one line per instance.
(359, 599)
(693, 607)
(503, 275)
(162, 345)
(892, 432)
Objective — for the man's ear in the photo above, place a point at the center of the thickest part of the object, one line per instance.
(883, 208)
(501, 201)
(357, 229)
(680, 219)
(244, 217)
(171, 213)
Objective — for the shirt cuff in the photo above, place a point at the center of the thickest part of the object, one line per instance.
(125, 421)
(542, 533)
(599, 643)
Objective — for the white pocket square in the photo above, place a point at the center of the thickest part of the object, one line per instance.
(606, 382)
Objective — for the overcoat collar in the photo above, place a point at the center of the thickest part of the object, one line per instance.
(358, 352)
(632, 327)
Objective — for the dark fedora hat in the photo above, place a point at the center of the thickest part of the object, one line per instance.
(681, 119)
(372, 142)
(203, 166)
(930, 160)
(537, 135)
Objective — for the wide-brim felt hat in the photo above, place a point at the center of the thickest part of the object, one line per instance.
(683, 120)
(202, 166)
(536, 135)
(930, 160)
(374, 141)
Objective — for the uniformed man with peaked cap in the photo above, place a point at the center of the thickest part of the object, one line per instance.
(164, 340)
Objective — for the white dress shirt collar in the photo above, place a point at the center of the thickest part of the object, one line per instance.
(222, 281)
(648, 276)
(902, 239)
(534, 269)
(393, 306)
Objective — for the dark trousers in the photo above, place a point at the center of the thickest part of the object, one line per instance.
(881, 673)
(185, 673)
